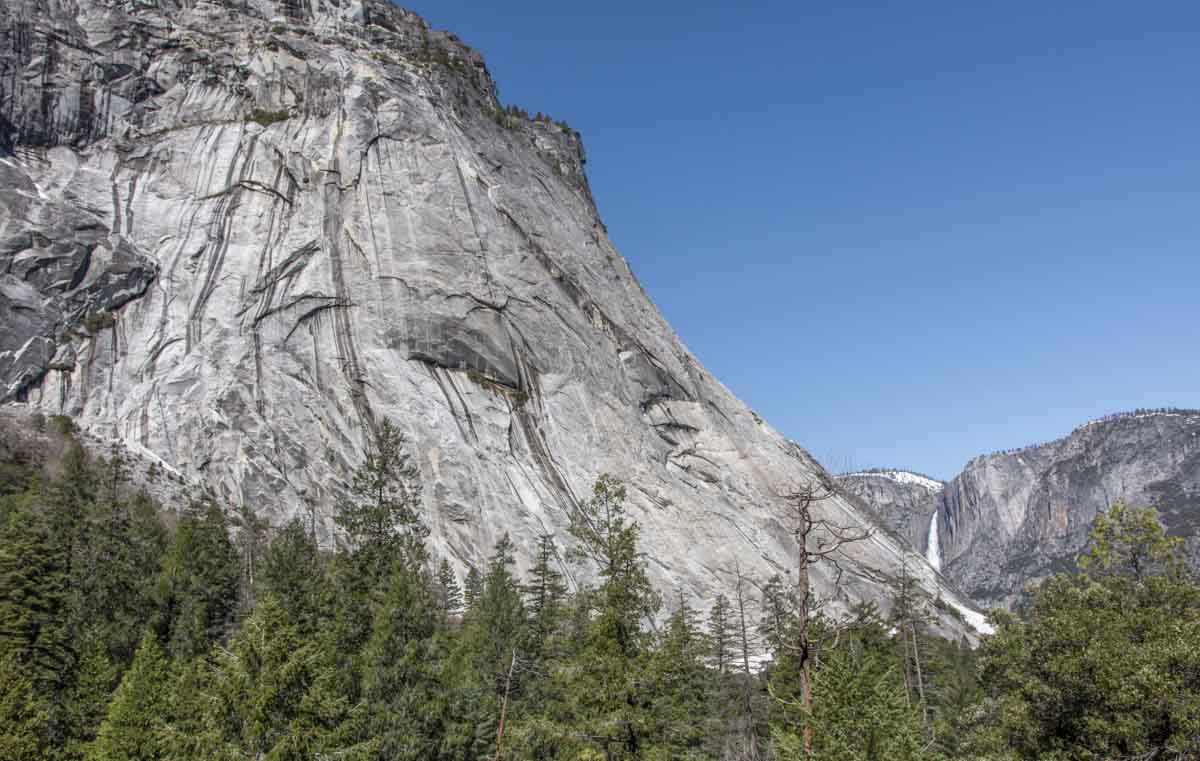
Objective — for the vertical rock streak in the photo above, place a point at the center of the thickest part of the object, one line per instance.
(349, 228)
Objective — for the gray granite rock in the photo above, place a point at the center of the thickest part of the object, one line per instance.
(62, 273)
(905, 501)
(305, 218)
(1013, 518)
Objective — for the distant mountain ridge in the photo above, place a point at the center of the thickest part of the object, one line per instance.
(1130, 414)
(1017, 516)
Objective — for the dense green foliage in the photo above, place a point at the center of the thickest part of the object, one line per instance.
(1106, 663)
(130, 630)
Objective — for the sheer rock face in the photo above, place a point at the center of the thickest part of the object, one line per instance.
(284, 222)
(1016, 517)
(905, 502)
(60, 271)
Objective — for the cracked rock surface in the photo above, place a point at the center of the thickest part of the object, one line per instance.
(903, 501)
(1017, 517)
(236, 236)
(1014, 518)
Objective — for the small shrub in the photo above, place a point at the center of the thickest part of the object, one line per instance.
(267, 118)
(97, 321)
(439, 57)
(62, 424)
(519, 396)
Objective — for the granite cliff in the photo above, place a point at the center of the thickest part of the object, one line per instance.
(903, 500)
(1016, 517)
(235, 236)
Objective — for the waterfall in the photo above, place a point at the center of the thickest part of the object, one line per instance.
(933, 548)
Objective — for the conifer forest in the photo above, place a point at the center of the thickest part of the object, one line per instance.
(136, 630)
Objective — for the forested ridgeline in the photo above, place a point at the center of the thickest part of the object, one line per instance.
(132, 630)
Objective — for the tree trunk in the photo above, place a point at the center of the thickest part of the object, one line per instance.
(750, 752)
(921, 681)
(802, 643)
(504, 709)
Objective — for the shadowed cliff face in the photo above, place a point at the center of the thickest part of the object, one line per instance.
(904, 501)
(302, 218)
(1012, 518)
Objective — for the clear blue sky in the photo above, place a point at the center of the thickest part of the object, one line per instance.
(904, 233)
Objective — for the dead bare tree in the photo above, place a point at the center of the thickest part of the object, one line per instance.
(504, 709)
(749, 724)
(909, 612)
(818, 540)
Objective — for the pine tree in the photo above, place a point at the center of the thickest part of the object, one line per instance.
(680, 688)
(401, 713)
(778, 606)
(268, 695)
(380, 519)
(85, 704)
(23, 716)
(908, 616)
(818, 540)
(722, 634)
(69, 495)
(954, 693)
(744, 740)
(121, 547)
(1103, 663)
(500, 622)
(494, 641)
(381, 515)
(859, 710)
(140, 710)
(449, 594)
(537, 733)
(198, 586)
(616, 647)
(252, 543)
(544, 594)
(610, 540)
(293, 573)
(472, 591)
(34, 616)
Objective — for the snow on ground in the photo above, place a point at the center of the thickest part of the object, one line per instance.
(974, 618)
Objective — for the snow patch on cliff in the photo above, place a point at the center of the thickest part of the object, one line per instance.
(902, 477)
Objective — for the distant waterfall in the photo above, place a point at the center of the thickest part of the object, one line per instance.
(933, 549)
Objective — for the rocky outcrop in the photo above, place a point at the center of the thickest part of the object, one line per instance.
(1012, 518)
(62, 274)
(904, 501)
(1016, 517)
(297, 220)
